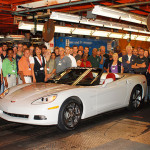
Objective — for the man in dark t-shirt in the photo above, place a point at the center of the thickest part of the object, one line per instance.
(141, 63)
(108, 60)
(94, 59)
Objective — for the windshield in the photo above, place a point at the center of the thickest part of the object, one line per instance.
(85, 76)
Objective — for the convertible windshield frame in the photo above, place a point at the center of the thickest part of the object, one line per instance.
(76, 76)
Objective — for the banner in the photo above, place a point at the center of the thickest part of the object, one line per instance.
(71, 41)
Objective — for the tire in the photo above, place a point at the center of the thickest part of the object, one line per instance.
(135, 98)
(69, 115)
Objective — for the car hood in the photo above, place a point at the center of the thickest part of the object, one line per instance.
(37, 90)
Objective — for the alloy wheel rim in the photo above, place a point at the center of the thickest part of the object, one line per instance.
(72, 115)
(137, 98)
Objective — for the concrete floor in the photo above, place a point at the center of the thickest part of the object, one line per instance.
(118, 130)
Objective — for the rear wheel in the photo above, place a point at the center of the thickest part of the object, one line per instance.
(135, 98)
(69, 115)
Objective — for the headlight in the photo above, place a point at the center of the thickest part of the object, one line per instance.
(44, 100)
(4, 93)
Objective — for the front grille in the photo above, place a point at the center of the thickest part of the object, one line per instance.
(16, 115)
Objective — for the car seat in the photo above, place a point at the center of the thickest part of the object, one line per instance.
(111, 75)
(109, 78)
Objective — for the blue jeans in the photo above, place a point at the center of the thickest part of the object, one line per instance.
(2, 88)
(147, 96)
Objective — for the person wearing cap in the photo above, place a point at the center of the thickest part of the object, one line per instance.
(25, 67)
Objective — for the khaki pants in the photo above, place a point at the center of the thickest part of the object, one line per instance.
(28, 79)
(19, 80)
(11, 80)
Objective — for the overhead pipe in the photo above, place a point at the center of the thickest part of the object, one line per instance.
(135, 8)
(21, 13)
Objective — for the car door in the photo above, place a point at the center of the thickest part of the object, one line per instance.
(112, 96)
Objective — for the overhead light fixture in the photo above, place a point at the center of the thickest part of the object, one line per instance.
(139, 38)
(97, 22)
(118, 14)
(15, 36)
(30, 26)
(1, 36)
(125, 36)
(116, 35)
(81, 31)
(66, 30)
(148, 39)
(101, 33)
(74, 18)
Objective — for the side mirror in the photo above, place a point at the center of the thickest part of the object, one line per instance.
(109, 80)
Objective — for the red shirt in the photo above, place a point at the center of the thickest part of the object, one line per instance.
(149, 67)
(88, 64)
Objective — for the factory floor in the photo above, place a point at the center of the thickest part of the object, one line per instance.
(117, 130)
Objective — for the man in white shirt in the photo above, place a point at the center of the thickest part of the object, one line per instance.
(73, 60)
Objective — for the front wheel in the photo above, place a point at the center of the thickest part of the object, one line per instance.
(135, 98)
(69, 115)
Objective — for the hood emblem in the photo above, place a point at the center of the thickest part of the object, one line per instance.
(13, 101)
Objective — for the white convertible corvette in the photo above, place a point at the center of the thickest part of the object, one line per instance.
(76, 94)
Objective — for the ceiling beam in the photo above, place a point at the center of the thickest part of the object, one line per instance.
(22, 1)
(7, 26)
(130, 4)
(11, 23)
(4, 2)
(8, 18)
(5, 9)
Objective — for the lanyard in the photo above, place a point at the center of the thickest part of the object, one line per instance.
(12, 64)
(40, 61)
(28, 62)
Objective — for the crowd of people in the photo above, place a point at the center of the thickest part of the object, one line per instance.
(21, 64)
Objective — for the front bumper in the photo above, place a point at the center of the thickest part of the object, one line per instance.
(35, 117)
